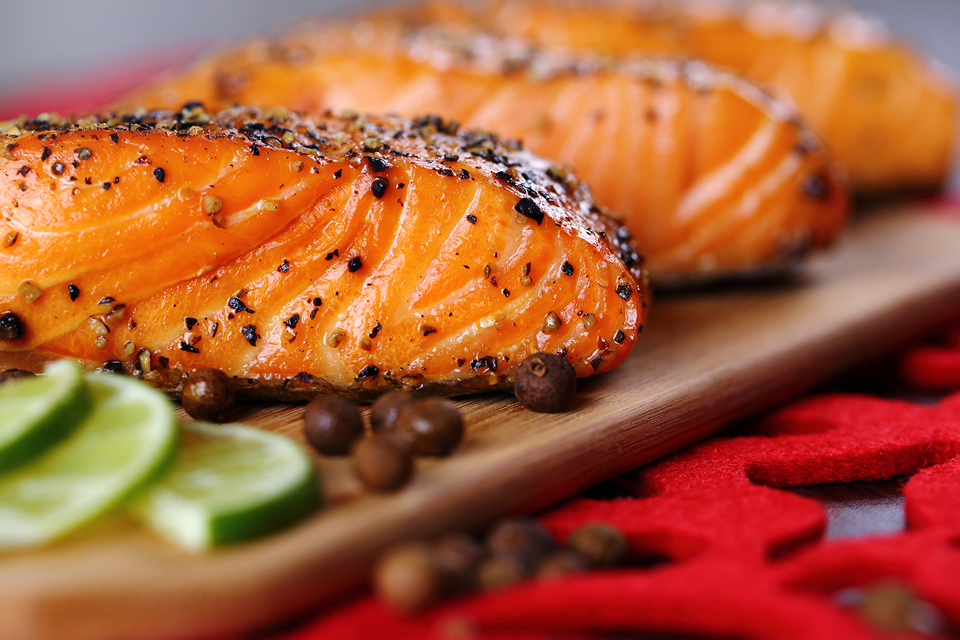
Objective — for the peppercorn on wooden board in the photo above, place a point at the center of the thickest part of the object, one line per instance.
(705, 360)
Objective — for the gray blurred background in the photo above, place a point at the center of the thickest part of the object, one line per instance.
(57, 39)
(55, 43)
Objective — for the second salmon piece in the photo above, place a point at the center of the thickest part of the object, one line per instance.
(713, 177)
(303, 255)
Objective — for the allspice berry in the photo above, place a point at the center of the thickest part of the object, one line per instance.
(459, 555)
(546, 383)
(599, 544)
(387, 408)
(497, 572)
(10, 375)
(381, 462)
(560, 564)
(331, 425)
(409, 578)
(433, 427)
(208, 394)
(521, 538)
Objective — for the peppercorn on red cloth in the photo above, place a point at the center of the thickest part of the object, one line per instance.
(744, 555)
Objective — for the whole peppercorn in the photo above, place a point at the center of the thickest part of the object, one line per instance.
(433, 427)
(561, 563)
(387, 408)
(501, 571)
(11, 326)
(546, 383)
(208, 394)
(14, 374)
(410, 578)
(331, 425)
(459, 555)
(521, 538)
(599, 544)
(382, 463)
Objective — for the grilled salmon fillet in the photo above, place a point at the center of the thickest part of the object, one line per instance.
(886, 111)
(711, 175)
(303, 254)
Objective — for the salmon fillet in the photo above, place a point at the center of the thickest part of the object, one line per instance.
(711, 175)
(887, 112)
(303, 254)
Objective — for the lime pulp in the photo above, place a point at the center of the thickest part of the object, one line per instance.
(230, 483)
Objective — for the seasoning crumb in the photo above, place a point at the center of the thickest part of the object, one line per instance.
(189, 348)
(250, 334)
(355, 264)
(29, 292)
(338, 173)
(74, 291)
(159, 174)
(551, 323)
(379, 187)
(566, 268)
(212, 204)
(369, 371)
(283, 268)
(527, 207)
(472, 219)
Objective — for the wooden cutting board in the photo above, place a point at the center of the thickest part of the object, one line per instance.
(706, 359)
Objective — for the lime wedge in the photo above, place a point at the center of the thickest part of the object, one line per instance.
(126, 440)
(37, 413)
(230, 483)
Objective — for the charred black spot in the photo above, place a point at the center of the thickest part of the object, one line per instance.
(250, 334)
(369, 371)
(379, 187)
(529, 208)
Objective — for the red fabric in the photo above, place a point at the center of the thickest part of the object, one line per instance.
(718, 511)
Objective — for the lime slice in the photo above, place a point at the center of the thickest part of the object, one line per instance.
(125, 441)
(36, 413)
(230, 483)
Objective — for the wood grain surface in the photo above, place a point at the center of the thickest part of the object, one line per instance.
(705, 360)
